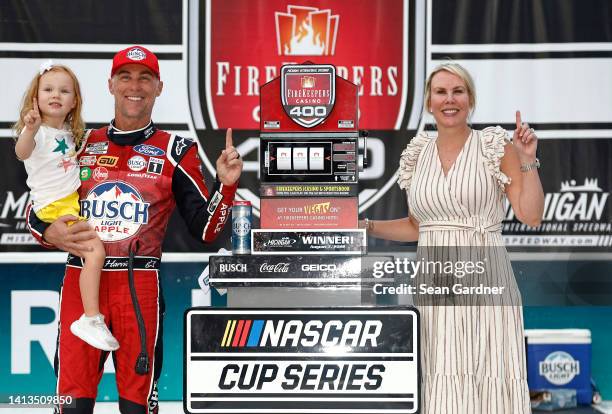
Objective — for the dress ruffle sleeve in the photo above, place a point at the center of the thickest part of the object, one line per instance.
(408, 160)
(493, 141)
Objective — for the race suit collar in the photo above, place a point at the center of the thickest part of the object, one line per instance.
(135, 137)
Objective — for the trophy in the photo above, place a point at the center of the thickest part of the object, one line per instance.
(309, 170)
(309, 164)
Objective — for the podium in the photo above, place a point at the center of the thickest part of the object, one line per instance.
(302, 281)
(303, 330)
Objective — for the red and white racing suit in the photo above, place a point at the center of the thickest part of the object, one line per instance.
(130, 185)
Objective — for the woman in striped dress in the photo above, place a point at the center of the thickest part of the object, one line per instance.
(472, 353)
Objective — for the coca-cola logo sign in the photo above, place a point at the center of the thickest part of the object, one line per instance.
(274, 268)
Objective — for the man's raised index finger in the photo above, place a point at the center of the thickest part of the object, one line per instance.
(228, 138)
(518, 119)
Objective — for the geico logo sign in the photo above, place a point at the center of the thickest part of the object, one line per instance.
(233, 267)
(318, 267)
(559, 368)
(298, 333)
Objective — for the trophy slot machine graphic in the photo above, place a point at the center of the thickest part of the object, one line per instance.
(308, 153)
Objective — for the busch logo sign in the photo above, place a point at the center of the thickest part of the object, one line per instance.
(559, 368)
(116, 210)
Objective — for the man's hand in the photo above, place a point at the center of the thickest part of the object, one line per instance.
(229, 164)
(70, 238)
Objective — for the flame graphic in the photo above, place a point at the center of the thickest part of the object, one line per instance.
(305, 42)
(308, 81)
(306, 31)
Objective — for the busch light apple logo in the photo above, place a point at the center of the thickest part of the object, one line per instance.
(116, 210)
(559, 368)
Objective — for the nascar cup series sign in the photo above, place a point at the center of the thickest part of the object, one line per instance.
(301, 361)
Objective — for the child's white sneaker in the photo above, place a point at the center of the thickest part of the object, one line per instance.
(94, 331)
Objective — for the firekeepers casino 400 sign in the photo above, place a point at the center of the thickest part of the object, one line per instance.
(301, 361)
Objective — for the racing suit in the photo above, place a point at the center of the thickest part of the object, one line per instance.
(130, 185)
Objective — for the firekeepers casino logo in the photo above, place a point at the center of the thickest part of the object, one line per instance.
(116, 210)
(245, 43)
(308, 93)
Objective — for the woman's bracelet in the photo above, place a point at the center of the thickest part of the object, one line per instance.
(369, 225)
(528, 167)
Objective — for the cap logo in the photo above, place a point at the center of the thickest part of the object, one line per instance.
(136, 54)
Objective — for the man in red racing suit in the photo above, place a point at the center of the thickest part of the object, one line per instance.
(131, 182)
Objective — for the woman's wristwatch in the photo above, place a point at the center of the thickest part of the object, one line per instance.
(532, 166)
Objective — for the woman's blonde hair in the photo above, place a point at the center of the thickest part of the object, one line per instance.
(74, 119)
(455, 69)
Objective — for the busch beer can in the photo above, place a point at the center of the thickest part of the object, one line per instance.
(241, 227)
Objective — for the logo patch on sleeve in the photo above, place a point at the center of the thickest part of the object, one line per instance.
(214, 202)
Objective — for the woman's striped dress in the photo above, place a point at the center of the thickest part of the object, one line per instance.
(473, 355)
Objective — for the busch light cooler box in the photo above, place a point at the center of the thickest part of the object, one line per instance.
(560, 358)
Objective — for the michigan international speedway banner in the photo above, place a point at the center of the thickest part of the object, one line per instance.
(551, 59)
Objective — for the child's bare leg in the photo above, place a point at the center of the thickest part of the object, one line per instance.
(89, 281)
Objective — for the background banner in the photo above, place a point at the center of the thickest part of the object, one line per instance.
(545, 58)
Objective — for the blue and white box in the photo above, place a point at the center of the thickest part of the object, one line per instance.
(560, 358)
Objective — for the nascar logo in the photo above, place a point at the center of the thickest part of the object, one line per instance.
(280, 333)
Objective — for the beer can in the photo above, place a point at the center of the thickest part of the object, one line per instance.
(241, 227)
